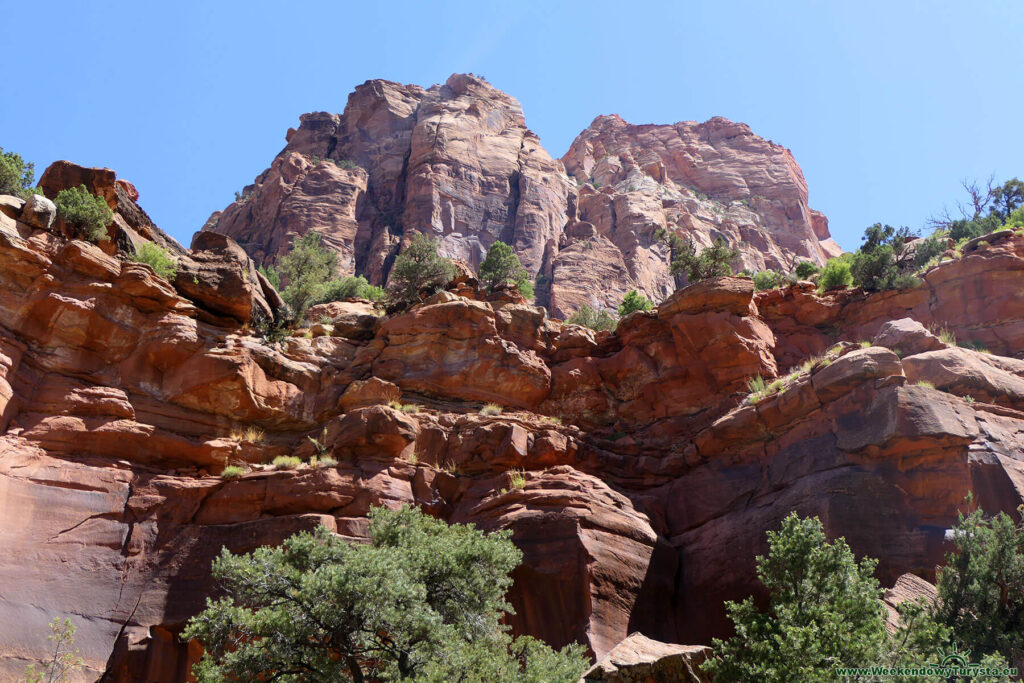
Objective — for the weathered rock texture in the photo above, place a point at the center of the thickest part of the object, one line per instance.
(650, 479)
(456, 161)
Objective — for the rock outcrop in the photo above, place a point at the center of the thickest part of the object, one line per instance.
(649, 475)
(457, 161)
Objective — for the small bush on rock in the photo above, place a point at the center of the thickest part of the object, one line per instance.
(419, 267)
(836, 274)
(157, 258)
(634, 301)
(714, 261)
(286, 462)
(501, 266)
(87, 212)
(805, 269)
(596, 320)
(16, 174)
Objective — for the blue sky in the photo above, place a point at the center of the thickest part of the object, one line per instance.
(886, 105)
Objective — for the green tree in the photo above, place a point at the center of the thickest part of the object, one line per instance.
(307, 269)
(64, 662)
(502, 265)
(981, 588)
(634, 301)
(1006, 198)
(713, 261)
(273, 277)
(768, 279)
(824, 611)
(421, 602)
(419, 267)
(158, 258)
(805, 269)
(16, 174)
(83, 210)
(351, 288)
(597, 320)
(836, 274)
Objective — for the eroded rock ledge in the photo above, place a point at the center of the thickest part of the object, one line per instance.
(650, 479)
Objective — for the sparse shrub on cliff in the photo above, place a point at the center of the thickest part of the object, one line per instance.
(419, 267)
(597, 320)
(157, 258)
(273, 277)
(824, 611)
(713, 261)
(491, 409)
(768, 279)
(232, 472)
(87, 212)
(356, 287)
(16, 174)
(307, 269)
(634, 301)
(805, 269)
(382, 610)
(835, 274)
(502, 265)
(64, 663)
(929, 250)
(516, 479)
(286, 462)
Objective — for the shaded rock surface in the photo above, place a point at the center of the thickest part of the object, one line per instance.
(457, 161)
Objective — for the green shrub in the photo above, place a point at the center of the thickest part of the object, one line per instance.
(836, 274)
(419, 267)
(502, 265)
(634, 301)
(768, 279)
(286, 462)
(356, 287)
(273, 277)
(346, 164)
(516, 479)
(491, 409)
(928, 249)
(16, 174)
(595, 320)
(157, 258)
(981, 588)
(422, 601)
(232, 472)
(87, 212)
(714, 261)
(307, 269)
(805, 269)
(64, 663)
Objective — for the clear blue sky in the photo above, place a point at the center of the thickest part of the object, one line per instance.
(886, 105)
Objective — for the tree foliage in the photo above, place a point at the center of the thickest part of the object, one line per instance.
(981, 588)
(634, 301)
(64, 662)
(502, 266)
(80, 208)
(421, 602)
(713, 261)
(836, 274)
(806, 269)
(824, 611)
(419, 267)
(885, 260)
(16, 174)
(597, 320)
(309, 273)
(158, 258)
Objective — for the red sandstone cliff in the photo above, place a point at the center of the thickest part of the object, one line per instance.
(458, 162)
(122, 396)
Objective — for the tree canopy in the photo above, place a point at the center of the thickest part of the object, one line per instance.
(713, 261)
(418, 267)
(502, 265)
(421, 602)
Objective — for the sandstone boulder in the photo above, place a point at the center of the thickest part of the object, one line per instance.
(638, 659)
(908, 337)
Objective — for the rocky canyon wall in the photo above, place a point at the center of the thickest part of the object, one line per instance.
(457, 161)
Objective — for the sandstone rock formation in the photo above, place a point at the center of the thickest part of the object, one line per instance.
(457, 161)
(649, 474)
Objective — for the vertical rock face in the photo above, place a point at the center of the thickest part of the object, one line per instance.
(457, 161)
(701, 180)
